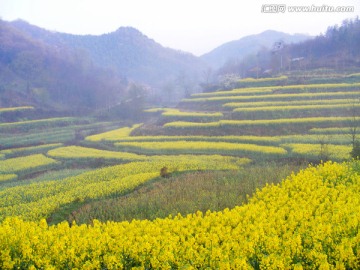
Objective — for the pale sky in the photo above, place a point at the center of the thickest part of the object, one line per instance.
(195, 26)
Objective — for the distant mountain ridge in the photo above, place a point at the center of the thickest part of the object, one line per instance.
(136, 57)
(237, 49)
(42, 67)
(126, 50)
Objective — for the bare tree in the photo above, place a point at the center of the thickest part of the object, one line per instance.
(354, 121)
(324, 153)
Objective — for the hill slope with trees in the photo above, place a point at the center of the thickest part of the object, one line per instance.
(337, 48)
(53, 77)
(238, 49)
(127, 51)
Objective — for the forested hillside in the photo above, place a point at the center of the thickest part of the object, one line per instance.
(127, 51)
(337, 48)
(53, 77)
(236, 50)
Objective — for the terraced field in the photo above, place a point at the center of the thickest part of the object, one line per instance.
(226, 132)
(262, 123)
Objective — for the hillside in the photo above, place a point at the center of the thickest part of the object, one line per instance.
(238, 49)
(50, 77)
(127, 51)
(338, 48)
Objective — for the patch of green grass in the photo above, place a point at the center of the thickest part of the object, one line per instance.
(298, 111)
(55, 135)
(45, 176)
(58, 175)
(185, 193)
(16, 109)
(40, 123)
(48, 135)
(14, 152)
(320, 151)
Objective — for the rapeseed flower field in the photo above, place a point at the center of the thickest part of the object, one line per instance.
(308, 221)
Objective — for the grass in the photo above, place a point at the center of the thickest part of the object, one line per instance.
(51, 135)
(113, 135)
(185, 124)
(86, 154)
(251, 82)
(296, 108)
(263, 140)
(308, 121)
(200, 147)
(55, 135)
(191, 116)
(236, 92)
(13, 152)
(185, 193)
(315, 138)
(40, 123)
(300, 111)
(313, 88)
(156, 110)
(16, 109)
(48, 175)
(331, 130)
(275, 97)
(320, 151)
(244, 105)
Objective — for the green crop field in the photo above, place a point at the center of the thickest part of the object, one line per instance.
(309, 121)
(191, 116)
(201, 147)
(86, 154)
(277, 97)
(16, 109)
(326, 151)
(244, 105)
(29, 150)
(283, 89)
(36, 124)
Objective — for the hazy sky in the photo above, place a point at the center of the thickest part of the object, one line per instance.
(196, 26)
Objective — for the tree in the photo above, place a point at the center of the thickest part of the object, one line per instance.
(354, 121)
(355, 152)
(324, 153)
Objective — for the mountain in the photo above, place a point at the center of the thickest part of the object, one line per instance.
(237, 49)
(126, 51)
(36, 73)
(338, 48)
